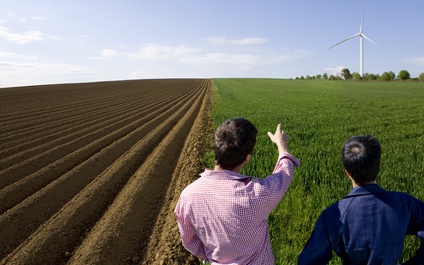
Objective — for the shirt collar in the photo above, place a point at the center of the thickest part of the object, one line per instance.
(224, 174)
(365, 190)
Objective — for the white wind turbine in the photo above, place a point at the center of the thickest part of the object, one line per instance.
(361, 45)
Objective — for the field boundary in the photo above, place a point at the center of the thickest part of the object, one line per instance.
(165, 245)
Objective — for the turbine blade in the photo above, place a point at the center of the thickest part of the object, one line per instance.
(351, 37)
(362, 22)
(363, 35)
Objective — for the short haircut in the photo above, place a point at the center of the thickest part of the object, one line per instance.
(234, 140)
(361, 158)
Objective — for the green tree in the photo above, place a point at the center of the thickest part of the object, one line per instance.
(386, 76)
(370, 77)
(366, 77)
(421, 77)
(346, 74)
(318, 76)
(325, 76)
(333, 77)
(404, 75)
(356, 76)
(392, 74)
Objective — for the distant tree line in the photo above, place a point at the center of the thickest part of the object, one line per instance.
(386, 76)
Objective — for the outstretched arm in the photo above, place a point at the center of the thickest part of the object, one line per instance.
(417, 229)
(278, 183)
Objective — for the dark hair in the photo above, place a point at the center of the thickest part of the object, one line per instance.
(234, 140)
(361, 158)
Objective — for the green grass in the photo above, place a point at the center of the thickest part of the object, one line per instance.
(319, 116)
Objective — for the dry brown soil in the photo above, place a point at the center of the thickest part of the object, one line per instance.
(90, 173)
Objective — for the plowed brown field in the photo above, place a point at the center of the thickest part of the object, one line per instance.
(90, 173)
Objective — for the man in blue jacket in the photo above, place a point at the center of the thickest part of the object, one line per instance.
(369, 225)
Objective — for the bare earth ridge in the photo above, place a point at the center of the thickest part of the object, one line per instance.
(90, 173)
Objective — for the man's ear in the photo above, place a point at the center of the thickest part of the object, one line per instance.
(347, 173)
(246, 160)
(248, 157)
(354, 184)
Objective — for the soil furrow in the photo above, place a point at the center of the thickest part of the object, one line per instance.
(125, 225)
(66, 98)
(32, 163)
(66, 198)
(31, 183)
(64, 229)
(79, 126)
(164, 245)
(54, 120)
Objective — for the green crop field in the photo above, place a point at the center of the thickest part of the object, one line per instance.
(319, 116)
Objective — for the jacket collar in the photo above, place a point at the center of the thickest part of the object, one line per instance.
(365, 190)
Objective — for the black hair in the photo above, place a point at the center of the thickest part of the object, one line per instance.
(361, 158)
(234, 140)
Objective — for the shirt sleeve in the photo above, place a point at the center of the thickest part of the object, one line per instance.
(188, 235)
(317, 250)
(277, 184)
(284, 160)
(417, 228)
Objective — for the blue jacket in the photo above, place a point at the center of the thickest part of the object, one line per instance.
(368, 226)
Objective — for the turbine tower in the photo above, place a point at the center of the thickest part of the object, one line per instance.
(361, 45)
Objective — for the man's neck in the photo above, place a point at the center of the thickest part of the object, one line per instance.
(354, 184)
(236, 169)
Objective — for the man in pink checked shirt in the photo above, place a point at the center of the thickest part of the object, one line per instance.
(223, 215)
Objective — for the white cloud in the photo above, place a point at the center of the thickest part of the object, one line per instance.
(21, 38)
(14, 55)
(35, 18)
(97, 58)
(109, 53)
(221, 58)
(12, 17)
(336, 71)
(280, 56)
(156, 52)
(157, 73)
(20, 74)
(415, 60)
(7, 17)
(152, 52)
(199, 56)
(245, 41)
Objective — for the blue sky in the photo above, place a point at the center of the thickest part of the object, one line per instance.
(47, 41)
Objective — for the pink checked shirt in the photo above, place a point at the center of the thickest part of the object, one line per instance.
(223, 215)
